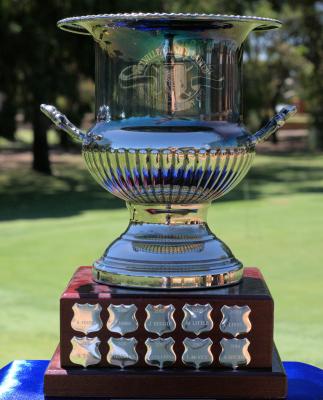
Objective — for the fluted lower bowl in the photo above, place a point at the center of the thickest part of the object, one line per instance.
(162, 176)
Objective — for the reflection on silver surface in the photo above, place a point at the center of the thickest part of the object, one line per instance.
(122, 318)
(81, 24)
(160, 319)
(197, 352)
(168, 140)
(235, 320)
(86, 318)
(122, 352)
(197, 318)
(234, 352)
(160, 352)
(85, 351)
(194, 256)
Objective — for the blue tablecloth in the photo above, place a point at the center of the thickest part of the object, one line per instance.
(23, 380)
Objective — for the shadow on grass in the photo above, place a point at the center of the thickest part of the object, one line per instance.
(281, 176)
(26, 195)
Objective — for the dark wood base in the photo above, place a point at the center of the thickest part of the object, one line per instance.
(177, 383)
(252, 291)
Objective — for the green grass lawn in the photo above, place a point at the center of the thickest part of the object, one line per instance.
(51, 225)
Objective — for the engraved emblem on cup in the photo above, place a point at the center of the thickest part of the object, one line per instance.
(187, 92)
(197, 318)
(122, 318)
(122, 352)
(85, 351)
(86, 318)
(160, 352)
(235, 320)
(197, 352)
(234, 352)
(160, 319)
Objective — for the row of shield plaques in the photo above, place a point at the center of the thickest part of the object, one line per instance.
(160, 320)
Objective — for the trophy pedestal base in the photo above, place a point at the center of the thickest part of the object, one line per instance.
(168, 247)
(148, 383)
(252, 293)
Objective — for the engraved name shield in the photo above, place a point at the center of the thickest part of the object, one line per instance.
(234, 352)
(122, 318)
(160, 352)
(197, 352)
(86, 318)
(160, 319)
(122, 352)
(235, 320)
(197, 318)
(85, 351)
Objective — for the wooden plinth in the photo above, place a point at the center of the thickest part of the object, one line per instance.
(252, 291)
(135, 383)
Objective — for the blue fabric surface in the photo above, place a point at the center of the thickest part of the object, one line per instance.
(23, 380)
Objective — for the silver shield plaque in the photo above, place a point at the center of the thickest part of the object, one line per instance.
(122, 352)
(122, 318)
(160, 352)
(197, 318)
(85, 351)
(234, 352)
(86, 318)
(160, 319)
(197, 352)
(235, 320)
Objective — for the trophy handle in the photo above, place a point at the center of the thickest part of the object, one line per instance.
(272, 126)
(61, 121)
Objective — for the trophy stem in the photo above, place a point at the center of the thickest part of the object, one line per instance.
(168, 246)
(169, 214)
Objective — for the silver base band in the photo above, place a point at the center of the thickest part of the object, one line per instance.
(215, 279)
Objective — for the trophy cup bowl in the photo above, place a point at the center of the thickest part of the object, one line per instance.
(168, 139)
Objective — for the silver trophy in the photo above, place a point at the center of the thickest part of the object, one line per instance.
(168, 139)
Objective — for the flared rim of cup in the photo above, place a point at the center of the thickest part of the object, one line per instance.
(78, 24)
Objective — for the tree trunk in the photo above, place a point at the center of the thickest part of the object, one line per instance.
(312, 27)
(318, 128)
(41, 161)
(8, 120)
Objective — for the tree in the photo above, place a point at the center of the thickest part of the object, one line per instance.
(8, 76)
(274, 73)
(306, 29)
(34, 68)
(40, 63)
(282, 62)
